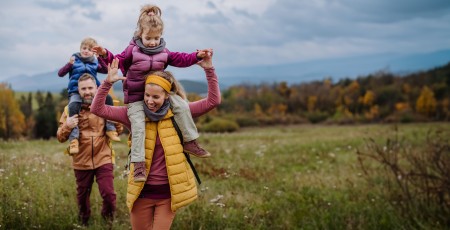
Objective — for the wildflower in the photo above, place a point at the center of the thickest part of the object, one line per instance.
(216, 199)
(266, 188)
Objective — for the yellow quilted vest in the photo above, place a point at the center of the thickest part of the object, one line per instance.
(183, 188)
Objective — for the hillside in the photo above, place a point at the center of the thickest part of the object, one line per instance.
(51, 82)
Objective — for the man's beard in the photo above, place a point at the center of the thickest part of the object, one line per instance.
(87, 101)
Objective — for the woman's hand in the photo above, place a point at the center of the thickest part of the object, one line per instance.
(113, 68)
(206, 62)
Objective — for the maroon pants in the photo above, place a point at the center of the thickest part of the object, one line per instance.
(105, 178)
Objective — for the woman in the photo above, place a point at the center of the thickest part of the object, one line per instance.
(170, 182)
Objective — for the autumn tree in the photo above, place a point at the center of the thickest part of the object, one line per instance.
(426, 103)
(12, 120)
(26, 106)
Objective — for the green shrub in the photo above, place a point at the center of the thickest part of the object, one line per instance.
(412, 177)
(317, 116)
(218, 125)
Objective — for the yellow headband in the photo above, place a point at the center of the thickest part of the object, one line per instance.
(154, 79)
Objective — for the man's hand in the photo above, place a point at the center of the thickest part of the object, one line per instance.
(72, 121)
(99, 50)
(113, 68)
(72, 60)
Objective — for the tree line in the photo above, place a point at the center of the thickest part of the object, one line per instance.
(378, 97)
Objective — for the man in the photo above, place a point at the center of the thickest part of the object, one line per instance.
(95, 154)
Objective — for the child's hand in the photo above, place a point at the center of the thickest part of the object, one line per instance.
(72, 60)
(206, 62)
(113, 68)
(203, 53)
(99, 50)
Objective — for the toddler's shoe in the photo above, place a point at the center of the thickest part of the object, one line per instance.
(192, 147)
(73, 147)
(139, 172)
(113, 135)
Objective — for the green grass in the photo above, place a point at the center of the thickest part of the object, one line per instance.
(296, 177)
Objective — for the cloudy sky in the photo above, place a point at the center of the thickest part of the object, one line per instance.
(39, 36)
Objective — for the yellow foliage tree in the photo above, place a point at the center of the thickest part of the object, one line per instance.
(426, 103)
(257, 110)
(312, 100)
(369, 98)
(12, 120)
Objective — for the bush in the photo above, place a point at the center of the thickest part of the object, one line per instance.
(412, 177)
(218, 125)
(316, 117)
(246, 121)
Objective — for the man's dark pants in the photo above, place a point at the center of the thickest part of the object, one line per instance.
(105, 181)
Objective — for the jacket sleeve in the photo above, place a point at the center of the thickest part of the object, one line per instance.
(113, 113)
(179, 59)
(65, 69)
(125, 59)
(102, 66)
(63, 130)
(213, 98)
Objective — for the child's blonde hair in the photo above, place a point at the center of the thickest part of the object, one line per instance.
(176, 87)
(89, 42)
(149, 18)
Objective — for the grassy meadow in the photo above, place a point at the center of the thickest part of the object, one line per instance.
(283, 177)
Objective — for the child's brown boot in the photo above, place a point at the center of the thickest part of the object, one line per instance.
(193, 148)
(113, 135)
(139, 172)
(73, 147)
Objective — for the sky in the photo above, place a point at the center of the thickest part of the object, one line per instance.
(39, 36)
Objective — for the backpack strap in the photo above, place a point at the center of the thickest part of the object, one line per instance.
(188, 158)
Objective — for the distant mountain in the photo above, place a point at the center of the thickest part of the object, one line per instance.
(51, 82)
(336, 68)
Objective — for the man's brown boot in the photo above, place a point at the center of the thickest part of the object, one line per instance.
(139, 172)
(113, 135)
(193, 148)
(73, 147)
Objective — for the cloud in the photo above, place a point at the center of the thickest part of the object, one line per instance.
(40, 37)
